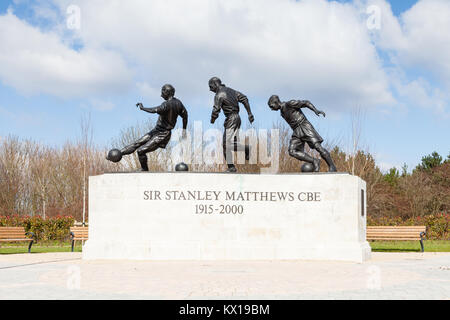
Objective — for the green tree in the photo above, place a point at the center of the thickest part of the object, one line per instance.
(430, 161)
(392, 176)
(404, 170)
(448, 158)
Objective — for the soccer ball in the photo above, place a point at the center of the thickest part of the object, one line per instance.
(181, 167)
(307, 167)
(114, 155)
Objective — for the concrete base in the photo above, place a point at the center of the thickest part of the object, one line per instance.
(211, 216)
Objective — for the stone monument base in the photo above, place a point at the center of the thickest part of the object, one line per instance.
(213, 216)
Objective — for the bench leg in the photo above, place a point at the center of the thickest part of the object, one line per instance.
(422, 235)
(29, 246)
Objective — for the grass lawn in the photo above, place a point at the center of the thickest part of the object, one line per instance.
(377, 246)
(40, 247)
(410, 246)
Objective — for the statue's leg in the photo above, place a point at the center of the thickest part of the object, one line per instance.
(152, 144)
(241, 147)
(325, 156)
(238, 146)
(297, 150)
(134, 146)
(232, 125)
(228, 141)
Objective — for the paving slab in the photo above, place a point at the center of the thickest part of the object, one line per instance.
(67, 276)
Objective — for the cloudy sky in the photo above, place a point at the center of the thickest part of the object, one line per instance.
(62, 59)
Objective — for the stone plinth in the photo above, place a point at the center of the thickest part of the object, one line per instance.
(213, 216)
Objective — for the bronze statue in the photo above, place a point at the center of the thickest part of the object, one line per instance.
(159, 137)
(303, 131)
(228, 100)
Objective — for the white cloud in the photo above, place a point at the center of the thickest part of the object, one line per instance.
(427, 42)
(35, 62)
(102, 105)
(20, 118)
(419, 40)
(419, 92)
(309, 49)
(147, 91)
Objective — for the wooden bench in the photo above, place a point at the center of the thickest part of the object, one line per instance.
(16, 234)
(396, 233)
(78, 233)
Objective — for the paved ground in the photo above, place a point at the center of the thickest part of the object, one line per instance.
(66, 276)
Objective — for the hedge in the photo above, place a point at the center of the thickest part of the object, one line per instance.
(53, 228)
(58, 227)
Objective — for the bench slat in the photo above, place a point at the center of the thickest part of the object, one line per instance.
(393, 230)
(13, 234)
(368, 237)
(404, 227)
(12, 231)
(396, 230)
(414, 235)
(394, 235)
(396, 227)
(409, 238)
(398, 239)
(80, 233)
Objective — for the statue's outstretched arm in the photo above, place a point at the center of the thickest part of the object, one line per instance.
(309, 105)
(157, 109)
(242, 98)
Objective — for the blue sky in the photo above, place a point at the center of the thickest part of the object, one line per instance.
(398, 75)
(398, 6)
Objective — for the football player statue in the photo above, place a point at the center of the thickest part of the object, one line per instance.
(304, 132)
(227, 100)
(159, 137)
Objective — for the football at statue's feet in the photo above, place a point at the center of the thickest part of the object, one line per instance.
(307, 167)
(114, 155)
(181, 167)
